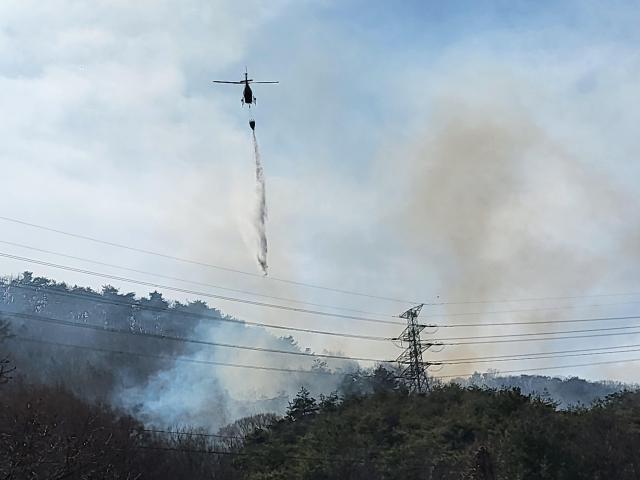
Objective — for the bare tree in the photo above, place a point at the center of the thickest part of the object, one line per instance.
(46, 432)
(5, 363)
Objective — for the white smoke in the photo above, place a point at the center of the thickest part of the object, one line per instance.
(260, 218)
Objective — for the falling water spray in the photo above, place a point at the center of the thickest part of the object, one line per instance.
(260, 218)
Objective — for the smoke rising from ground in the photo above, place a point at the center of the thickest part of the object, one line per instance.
(501, 207)
(150, 384)
(260, 219)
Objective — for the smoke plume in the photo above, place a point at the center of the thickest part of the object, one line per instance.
(260, 218)
(501, 206)
(502, 209)
(148, 376)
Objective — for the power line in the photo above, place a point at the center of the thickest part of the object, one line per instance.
(303, 284)
(540, 357)
(386, 322)
(200, 263)
(552, 353)
(348, 309)
(343, 334)
(537, 299)
(298, 353)
(187, 434)
(213, 451)
(97, 298)
(185, 339)
(446, 341)
(264, 304)
(194, 292)
(520, 310)
(367, 337)
(583, 330)
(590, 364)
(541, 339)
(320, 372)
(535, 322)
(205, 284)
(325, 458)
(520, 357)
(172, 357)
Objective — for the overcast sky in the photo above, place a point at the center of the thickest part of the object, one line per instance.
(423, 151)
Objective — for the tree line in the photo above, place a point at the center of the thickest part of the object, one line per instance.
(452, 432)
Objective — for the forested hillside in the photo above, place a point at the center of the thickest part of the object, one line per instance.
(62, 413)
(566, 392)
(449, 433)
(120, 349)
(44, 315)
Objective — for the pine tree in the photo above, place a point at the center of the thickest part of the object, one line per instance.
(301, 406)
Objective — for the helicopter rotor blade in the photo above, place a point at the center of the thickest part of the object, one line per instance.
(223, 81)
(266, 82)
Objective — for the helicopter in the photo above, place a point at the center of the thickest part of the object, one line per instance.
(247, 95)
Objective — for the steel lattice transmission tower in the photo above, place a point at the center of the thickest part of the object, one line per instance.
(414, 371)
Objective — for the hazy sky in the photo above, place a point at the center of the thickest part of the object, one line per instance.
(425, 151)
